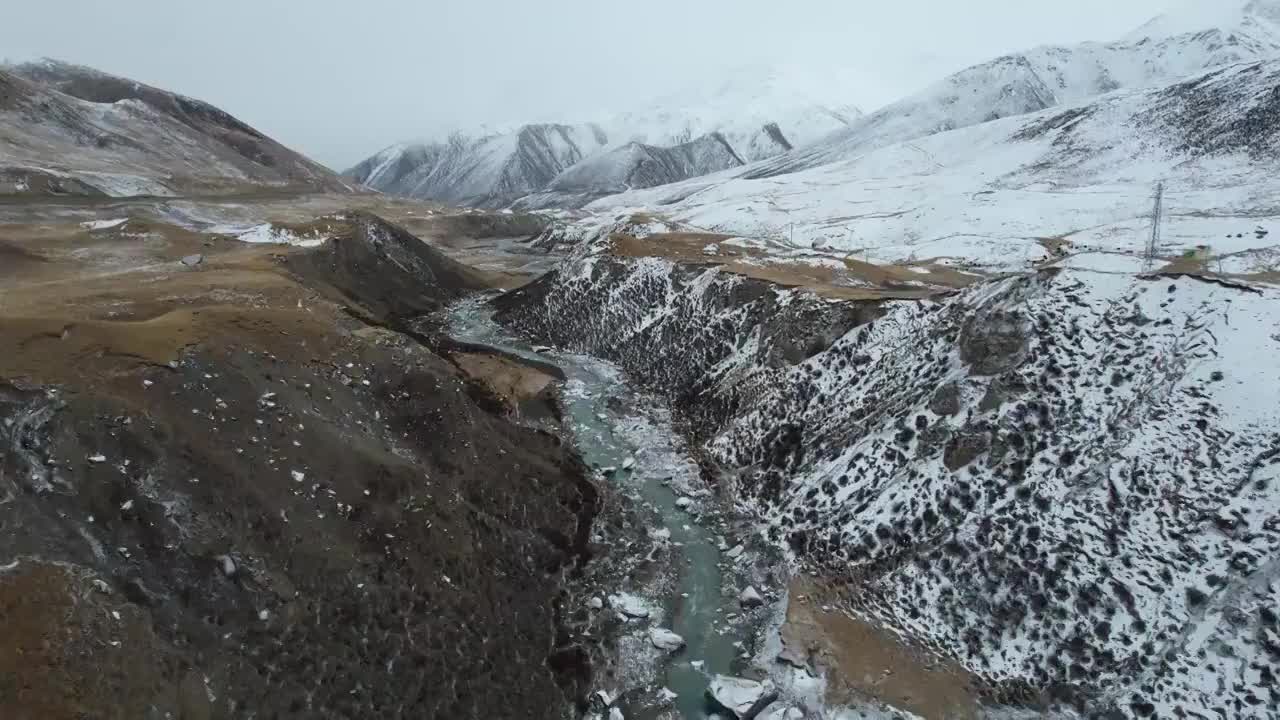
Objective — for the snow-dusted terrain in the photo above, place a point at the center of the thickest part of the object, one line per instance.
(634, 165)
(1063, 477)
(489, 170)
(1054, 144)
(753, 114)
(1176, 45)
(1066, 480)
(67, 129)
(988, 195)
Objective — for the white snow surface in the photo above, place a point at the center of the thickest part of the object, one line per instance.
(103, 224)
(273, 234)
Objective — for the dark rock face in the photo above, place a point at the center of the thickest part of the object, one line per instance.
(993, 343)
(1235, 109)
(1000, 464)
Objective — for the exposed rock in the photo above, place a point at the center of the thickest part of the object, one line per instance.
(744, 698)
(750, 598)
(630, 606)
(946, 400)
(964, 448)
(664, 639)
(601, 701)
(995, 342)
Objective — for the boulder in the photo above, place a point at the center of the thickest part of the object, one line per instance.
(601, 701)
(660, 534)
(630, 605)
(192, 260)
(664, 639)
(684, 503)
(750, 598)
(744, 698)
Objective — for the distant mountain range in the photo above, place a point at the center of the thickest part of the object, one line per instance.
(752, 115)
(1001, 163)
(69, 129)
(757, 126)
(1051, 76)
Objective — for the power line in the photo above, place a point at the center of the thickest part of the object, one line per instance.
(1154, 241)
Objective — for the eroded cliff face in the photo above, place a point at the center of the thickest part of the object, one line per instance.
(1066, 480)
(252, 486)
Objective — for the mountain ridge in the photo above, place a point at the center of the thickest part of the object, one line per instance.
(756, 115)
(71, 128)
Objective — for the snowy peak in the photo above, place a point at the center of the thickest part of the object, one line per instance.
(634, 165)
(391, 165)
(1259, 19)
(486, 171)
(742, 106)
(1045, 77)
(752, 114)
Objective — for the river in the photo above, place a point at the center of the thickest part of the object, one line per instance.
(608, 437)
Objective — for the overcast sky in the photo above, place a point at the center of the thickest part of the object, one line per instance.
(339, 79)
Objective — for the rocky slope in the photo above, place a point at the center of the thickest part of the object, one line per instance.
(244, 479)
(754, 113)
(68, 129)
(1063, 480)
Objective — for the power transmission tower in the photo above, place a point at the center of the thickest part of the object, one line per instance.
(1153, 242)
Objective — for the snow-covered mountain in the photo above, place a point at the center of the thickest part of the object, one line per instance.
(634, 165)
(71, 129)
(1196, 37)
(754, 114)
(761, 111)
(1000, 194)
(487, 171)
